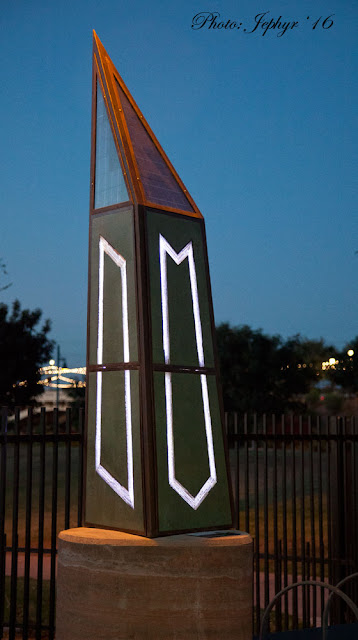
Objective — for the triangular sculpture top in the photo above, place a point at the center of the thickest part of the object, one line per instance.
(152, 179)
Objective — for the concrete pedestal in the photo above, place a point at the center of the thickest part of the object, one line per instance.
(114, 586)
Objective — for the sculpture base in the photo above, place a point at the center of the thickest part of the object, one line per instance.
(118, 586)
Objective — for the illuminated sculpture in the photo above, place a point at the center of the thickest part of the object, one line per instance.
(156, 461)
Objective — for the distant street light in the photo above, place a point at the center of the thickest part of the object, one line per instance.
(329, 364)
(350, 353)
(59, 358)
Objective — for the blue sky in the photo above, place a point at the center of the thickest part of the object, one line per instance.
(262, 130)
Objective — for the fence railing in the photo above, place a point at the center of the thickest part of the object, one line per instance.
(295, 485)
(40, 494)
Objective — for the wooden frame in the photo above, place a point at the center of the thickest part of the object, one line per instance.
(104, 76)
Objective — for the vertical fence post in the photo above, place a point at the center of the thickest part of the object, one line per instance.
(80, 467)
(3, 432)
(54, 524)
(247, 476)
(355, 506)
(294, 524)
(28, 525)
(40, 550)
(284, 518)
(308, 591)
(277, 563)
(303, 515)
(312, 545)
(14, 536)
(257, 525)
(237, 478)
(338, 518)
(320, 510)
(351, 531)
(329, 501)
(266, 518)
(68, 449)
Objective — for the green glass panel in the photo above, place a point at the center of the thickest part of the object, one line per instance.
(110, 187)
(190, 445)
(112, 312)
(190, 455)
(113, 427)
(103, 506)
(118, 230)
(178, 231)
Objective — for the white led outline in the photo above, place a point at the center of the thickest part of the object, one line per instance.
(126, 494)
(186, 252)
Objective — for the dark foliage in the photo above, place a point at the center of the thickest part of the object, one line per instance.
(3, 272)
(266, 373)
(345, 373)
(24, 348)
(78, 396)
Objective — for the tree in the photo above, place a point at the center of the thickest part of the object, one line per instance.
(301, 367)
(265, 373)
(78, 396)
(345, 371)
(246, 361)
(3, 272)
(24, 347)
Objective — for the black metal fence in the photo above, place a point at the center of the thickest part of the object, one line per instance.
(40, 494)
(295, 485)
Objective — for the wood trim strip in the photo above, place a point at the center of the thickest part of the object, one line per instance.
(178, 368)
(162, 207)
(114, 366)
(112, 207)
(150, 489)
(217, 369)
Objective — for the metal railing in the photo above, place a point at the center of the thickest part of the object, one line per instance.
(295, 485)
(40, 493)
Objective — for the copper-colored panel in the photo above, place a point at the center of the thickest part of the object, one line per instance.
(158, 182)
(151, 176)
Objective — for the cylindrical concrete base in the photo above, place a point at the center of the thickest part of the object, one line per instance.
(114, 586)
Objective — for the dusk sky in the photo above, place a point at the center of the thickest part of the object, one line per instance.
(261, 127)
